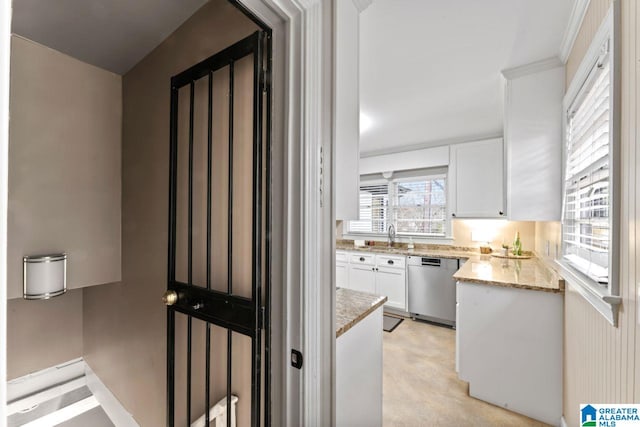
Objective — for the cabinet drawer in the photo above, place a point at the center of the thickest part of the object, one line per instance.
(390, 261)
(364, 259)
(342, 257)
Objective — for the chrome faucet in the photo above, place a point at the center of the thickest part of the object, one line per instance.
(392, 235)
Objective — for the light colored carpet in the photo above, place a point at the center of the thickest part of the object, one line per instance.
(421, 387)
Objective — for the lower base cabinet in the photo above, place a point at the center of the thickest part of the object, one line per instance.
(376, 274)
(509, 348)
(359, 374)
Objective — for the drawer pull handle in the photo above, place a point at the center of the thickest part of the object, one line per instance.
(362, 258)
(390, 262)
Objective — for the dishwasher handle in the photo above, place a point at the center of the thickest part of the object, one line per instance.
(432, 262)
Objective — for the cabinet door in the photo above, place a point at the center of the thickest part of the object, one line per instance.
(533, 140)
(476, 175)
(342, 275)
(392, 283)
(347, 111)
(362, 278)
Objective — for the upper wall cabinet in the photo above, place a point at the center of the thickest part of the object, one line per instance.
(533, 139)
(64, 165)
(347, 110)
(476, 182)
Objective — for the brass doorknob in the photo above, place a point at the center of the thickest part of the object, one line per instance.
(170, 297)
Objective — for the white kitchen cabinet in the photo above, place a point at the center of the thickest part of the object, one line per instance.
(342, 269)
(347, 111)
(533, 141)
(391, 283)
(362, 278)
(359, 373)
(377, 274)
(476, 179)
(509, 348)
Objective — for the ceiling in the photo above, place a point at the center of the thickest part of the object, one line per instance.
(111, 34)
(430, 69)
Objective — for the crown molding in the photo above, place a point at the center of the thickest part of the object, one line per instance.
(533, 67)
(361, 5)
(429, 144)
(573, 27)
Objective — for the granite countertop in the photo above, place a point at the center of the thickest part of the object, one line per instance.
(514, 273)
(353, 306)
(485, 269)
(435, 251)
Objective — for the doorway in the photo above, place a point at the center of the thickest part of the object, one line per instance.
(219, 231)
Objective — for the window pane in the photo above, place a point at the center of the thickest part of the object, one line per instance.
(417, 206)
(586, 219)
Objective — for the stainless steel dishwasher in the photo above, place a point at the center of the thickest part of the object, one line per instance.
(432, 289)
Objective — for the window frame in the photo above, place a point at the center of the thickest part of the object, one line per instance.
(412, 176)
(605, 299)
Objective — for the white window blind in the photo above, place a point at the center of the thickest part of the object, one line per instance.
(415, 206)
(586, 214)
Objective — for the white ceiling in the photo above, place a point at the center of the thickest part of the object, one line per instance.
(111, 34)
(430, 69)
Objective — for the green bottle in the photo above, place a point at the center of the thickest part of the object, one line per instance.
(517, 245)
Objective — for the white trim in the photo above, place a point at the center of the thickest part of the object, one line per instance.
(563, 422)
(33, 400)
(573, 28)
(429, 144)
(111, 405)
(5, 55)
(45, 378)
(307, 217)
(607, 305)
(65, 414)
(532, 68)
(581, 74)
(606, 302)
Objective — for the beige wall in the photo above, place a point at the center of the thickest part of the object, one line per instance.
(64, 165)
(502, 231)
(601, 363)
(124, 324)
(64, 194)
(41, 334)
(548, 234)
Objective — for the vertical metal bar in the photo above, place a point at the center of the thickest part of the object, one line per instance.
(256, 289)
(171, 350)
(267, 314)
(230, 236)
(207, 391)
(190, 248)
(173, 162)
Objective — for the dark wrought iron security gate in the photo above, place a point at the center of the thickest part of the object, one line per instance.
(235, 300)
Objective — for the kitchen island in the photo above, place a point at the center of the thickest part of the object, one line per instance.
(358, 358)
(509, 334)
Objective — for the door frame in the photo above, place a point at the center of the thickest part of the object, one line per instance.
(303, 258)
(5, 49)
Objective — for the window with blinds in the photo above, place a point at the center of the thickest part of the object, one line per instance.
(587, 187)
(415, 206)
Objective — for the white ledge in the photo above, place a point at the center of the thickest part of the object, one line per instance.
(606, 304)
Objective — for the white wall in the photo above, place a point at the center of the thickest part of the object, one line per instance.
(5, 42)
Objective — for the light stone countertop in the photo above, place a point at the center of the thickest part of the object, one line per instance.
(530, 274)
(353, 306)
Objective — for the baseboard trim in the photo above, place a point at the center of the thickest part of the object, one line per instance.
(38, 381)
(563, 422)
(111, 405)
(56, 380)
